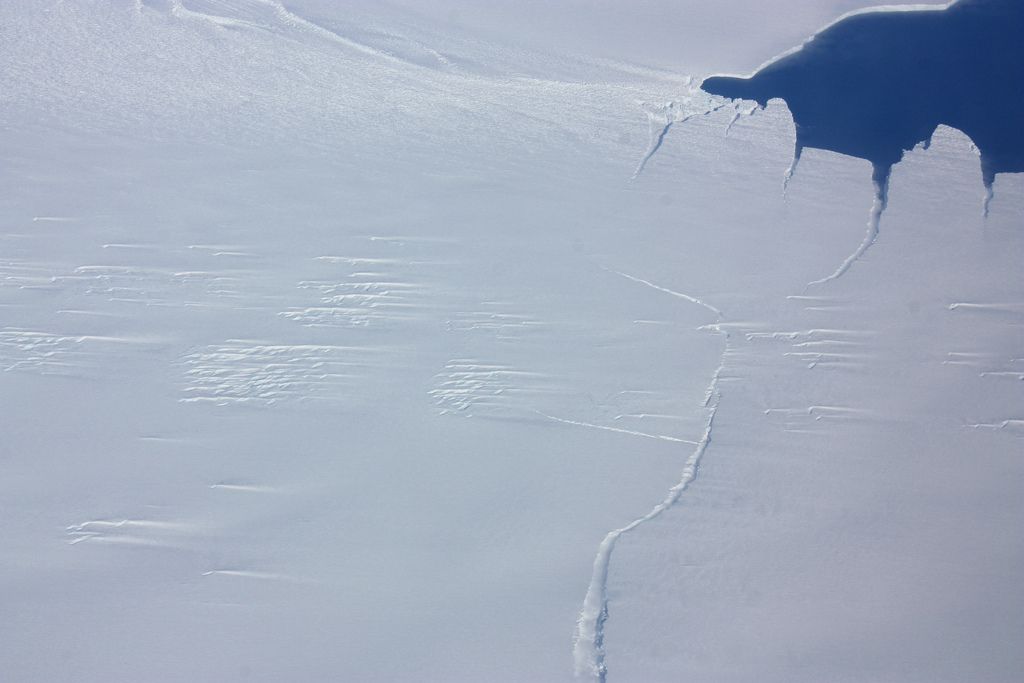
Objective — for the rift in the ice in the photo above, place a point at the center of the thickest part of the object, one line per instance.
(876, 84)
(588, 649)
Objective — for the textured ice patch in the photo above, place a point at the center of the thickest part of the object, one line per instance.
(248, 372)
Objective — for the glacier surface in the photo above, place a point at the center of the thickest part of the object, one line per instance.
(453, 341)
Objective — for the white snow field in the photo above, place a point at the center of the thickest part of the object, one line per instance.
(447, 341)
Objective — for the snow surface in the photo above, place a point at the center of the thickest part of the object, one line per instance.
(339, 342)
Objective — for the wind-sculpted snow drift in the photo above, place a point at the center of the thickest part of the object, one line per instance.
(876, 84)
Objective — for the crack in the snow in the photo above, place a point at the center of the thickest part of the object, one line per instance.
(656, 140)
(880, 179)
(588, 648)
(737, 115)
(671, 292)
(798, 150)
(619, 430)
(671, 116)
(986, 202)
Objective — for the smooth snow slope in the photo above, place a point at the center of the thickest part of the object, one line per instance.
(334, 344)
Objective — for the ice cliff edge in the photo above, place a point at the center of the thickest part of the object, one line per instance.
(877, 83)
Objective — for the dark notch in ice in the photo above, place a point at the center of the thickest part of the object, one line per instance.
(877, 83)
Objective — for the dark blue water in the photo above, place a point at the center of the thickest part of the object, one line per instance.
(876, 84)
